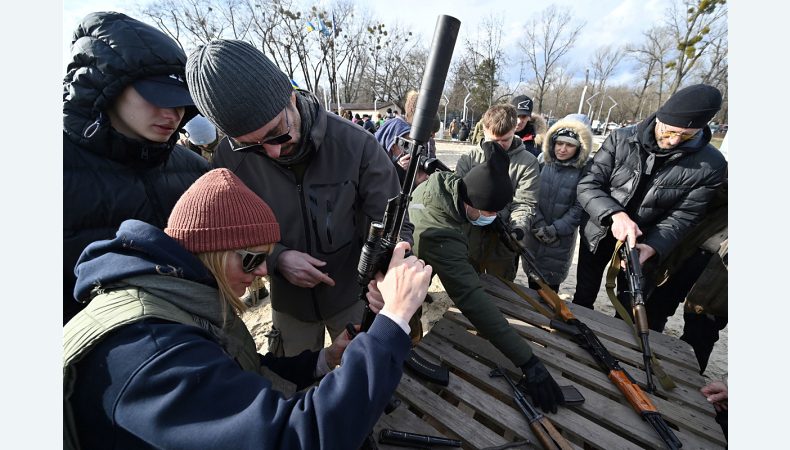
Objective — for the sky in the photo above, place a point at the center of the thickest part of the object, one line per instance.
(614, 22)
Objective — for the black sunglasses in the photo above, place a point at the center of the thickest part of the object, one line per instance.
(237, 146)
(251, 260)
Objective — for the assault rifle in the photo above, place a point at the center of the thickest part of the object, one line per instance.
(633, 273)
(587, 339)
(383, 235)
(544, 430)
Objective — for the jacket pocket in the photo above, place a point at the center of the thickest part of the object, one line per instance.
(333, 216)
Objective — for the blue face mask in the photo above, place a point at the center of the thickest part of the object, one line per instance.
(482, 220)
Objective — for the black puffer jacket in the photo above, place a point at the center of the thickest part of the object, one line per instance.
(673, 201)
(108, 178)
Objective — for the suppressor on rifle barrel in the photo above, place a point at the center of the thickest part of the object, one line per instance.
(404, 439)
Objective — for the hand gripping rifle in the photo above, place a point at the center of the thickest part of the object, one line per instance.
(382, 236)
(544, 430)
(587, 339)
(633, 272)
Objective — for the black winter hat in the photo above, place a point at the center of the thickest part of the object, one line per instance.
(236, 86)
(523, 105)
(487, 186)
(691, 107)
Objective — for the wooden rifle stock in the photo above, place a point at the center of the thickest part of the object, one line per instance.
(541, 426)
(586, 338)
(634, 274)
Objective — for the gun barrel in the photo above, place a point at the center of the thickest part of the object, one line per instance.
(400, 438)
(444, 37)
(657, 422)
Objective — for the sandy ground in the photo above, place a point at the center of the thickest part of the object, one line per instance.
(258, 318)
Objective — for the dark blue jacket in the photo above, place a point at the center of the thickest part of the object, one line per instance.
(159, 384)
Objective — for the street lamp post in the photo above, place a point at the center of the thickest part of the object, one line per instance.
(375, 102)
(581, 101)
(589, 111)
(444, 122)
(466, 100)
(606, 124)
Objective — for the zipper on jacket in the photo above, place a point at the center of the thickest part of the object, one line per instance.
(156, 206)
(306, 223)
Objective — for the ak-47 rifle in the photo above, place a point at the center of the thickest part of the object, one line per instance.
(587, 339)
(633, 273)
(382, 236)
(544, 430)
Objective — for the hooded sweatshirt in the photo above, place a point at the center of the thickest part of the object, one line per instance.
(154, 362)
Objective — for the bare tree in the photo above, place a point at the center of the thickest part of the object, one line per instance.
(195, 22)
(549, 38)
(397, 63)
(651, 56)
(714, 66)
(484, 60)
(690, 27)
(604, 62)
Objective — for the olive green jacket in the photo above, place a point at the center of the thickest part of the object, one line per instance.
(441, 238)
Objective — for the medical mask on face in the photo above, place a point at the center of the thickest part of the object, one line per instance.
(482, 220)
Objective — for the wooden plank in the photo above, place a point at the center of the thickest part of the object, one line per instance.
(500, 406)
(688, 382)
(590, 376)
(404, 420)
(555, 350)
(431, 404)
(669, 348)
(631, 424)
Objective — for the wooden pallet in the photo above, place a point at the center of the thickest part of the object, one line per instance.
(479, 410)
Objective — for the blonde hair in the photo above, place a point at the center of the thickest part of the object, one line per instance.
(216, 263)
(500, 120)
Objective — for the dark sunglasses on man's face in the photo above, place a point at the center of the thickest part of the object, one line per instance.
(251, 260)
(237, 146)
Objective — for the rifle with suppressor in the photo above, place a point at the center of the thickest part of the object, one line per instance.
(383, 235)
(587, 339)
(544, 430)
(633, 273)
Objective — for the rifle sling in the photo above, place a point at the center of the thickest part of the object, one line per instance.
(534, 303)
(664, 379)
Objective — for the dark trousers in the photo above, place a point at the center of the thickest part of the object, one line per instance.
(590, 269)
(701, 331)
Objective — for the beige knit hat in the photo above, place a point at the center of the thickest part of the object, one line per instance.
(219, 212)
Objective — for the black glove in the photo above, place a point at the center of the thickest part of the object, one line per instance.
(490, 147)
(547, 234)
(517, 233)
(540, 385)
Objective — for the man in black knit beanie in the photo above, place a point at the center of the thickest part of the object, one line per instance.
(648, 184)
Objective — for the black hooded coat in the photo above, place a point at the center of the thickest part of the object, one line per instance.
(107, 177)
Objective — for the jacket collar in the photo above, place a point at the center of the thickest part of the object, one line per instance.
(137, 249)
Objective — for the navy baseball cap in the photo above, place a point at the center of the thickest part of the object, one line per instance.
(164, 91)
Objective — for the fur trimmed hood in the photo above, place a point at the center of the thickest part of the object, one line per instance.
(585, 137)
(540, 126)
